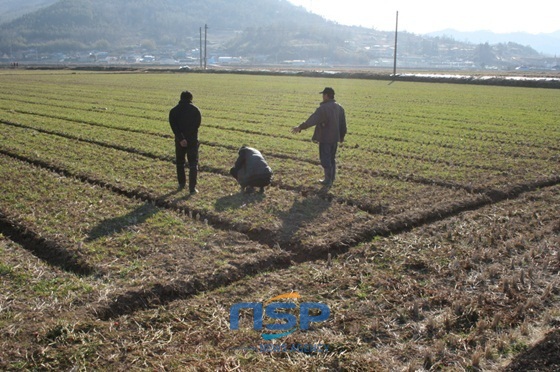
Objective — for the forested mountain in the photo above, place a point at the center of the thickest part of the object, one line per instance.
(261, 30)
(10, 9)
(75, 24)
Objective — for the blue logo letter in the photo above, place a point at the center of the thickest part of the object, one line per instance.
(291, 320)
(305, 319)
(257, 314)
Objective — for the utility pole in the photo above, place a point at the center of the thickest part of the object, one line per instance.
(200, 48)
(396, 35)
(205, 44)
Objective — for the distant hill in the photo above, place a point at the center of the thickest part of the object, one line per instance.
(10, 9)
(543, 43)
(77, 24)
(265, 31)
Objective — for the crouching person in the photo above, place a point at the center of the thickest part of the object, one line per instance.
(251, 170)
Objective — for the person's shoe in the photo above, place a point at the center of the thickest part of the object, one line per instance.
(249, 190)
(325, 182)
(261, 190)
(193, 191)
(181, 187)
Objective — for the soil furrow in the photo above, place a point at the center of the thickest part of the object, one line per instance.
(399, 223)
(291, 138)
(215, 220)
(404, 223)
(298, 252)
(165, 293)
(376, 173)
(161, 294)
(45, 249)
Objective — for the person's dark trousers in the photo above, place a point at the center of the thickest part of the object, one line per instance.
(327, 155)
(261, 180)
(191, 153)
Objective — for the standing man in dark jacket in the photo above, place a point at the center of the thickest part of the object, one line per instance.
(329, 120)
(251, 170)
(185, 119)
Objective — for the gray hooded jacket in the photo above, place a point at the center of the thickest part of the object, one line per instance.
(250, 167)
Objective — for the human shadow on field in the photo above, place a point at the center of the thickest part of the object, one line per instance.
(115, 225)
(238, 200)
(302, 213)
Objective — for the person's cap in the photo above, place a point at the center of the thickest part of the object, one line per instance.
(327, 90)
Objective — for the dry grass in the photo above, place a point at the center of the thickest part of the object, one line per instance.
(422, 299)
(443, 257)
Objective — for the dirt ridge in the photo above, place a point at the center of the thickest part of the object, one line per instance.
(295, 252)
(45, 249)
(408, 178)
(161, 294)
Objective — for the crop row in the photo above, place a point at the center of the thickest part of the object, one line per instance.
(514, 117)
(111, 233)
(281, 213)
(493, 168)
(433, 136)
(368, 190)
(469, 292)
(128, 242)
(280, 216)
(502, 160)
(370, 177)
(96, 199)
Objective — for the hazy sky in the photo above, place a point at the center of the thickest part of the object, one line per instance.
(423, 16)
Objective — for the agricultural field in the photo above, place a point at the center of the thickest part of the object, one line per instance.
(437, 248)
